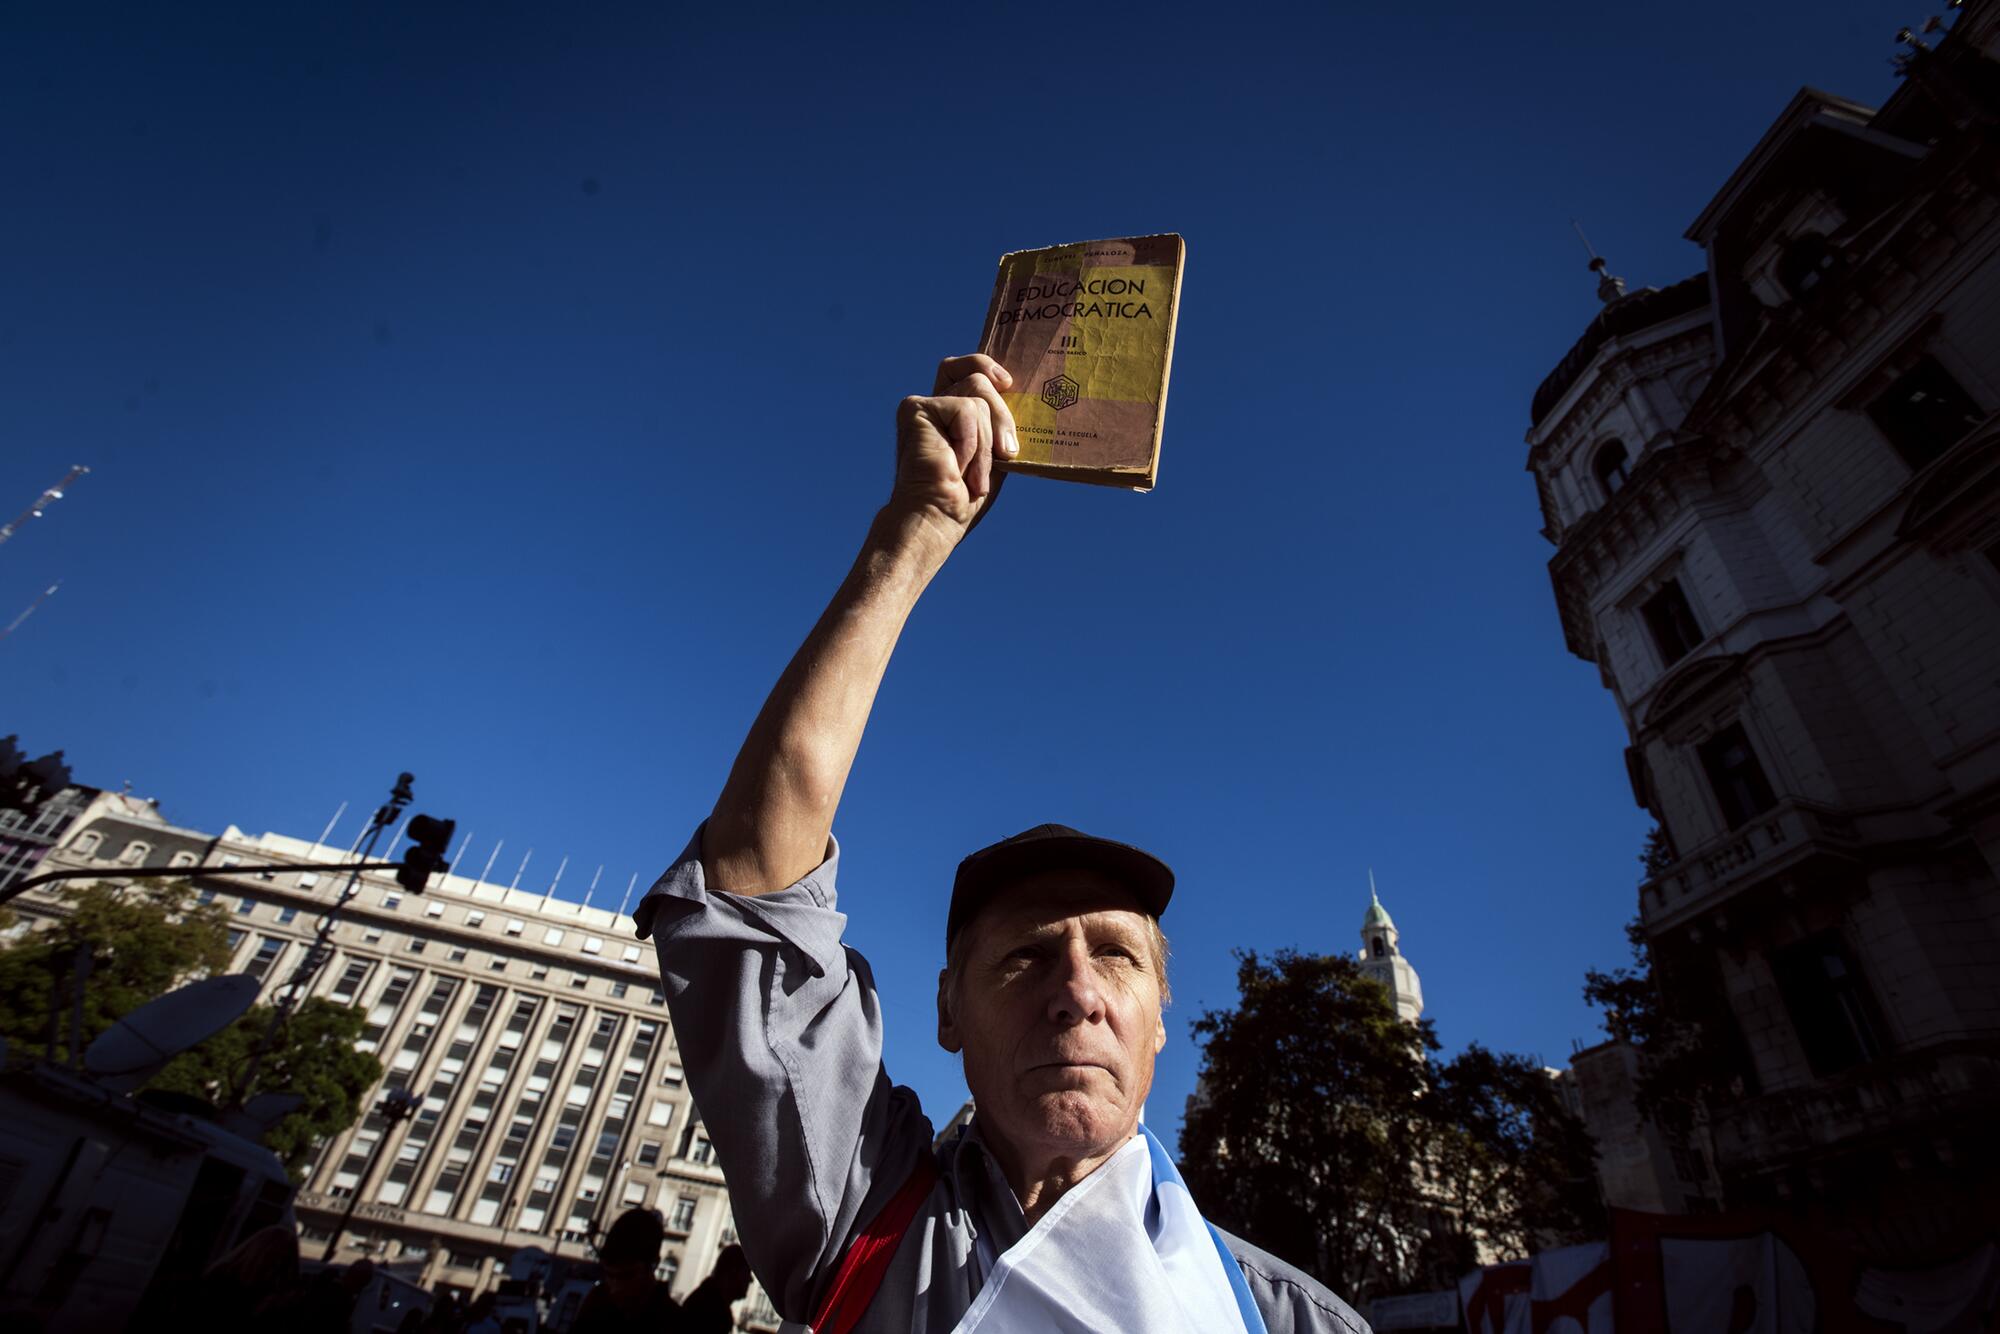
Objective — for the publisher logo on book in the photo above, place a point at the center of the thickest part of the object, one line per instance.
(1060, 392)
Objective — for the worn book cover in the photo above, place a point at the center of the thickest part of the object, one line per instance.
(1087, 331)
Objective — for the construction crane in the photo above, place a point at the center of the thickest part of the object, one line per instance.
(43, 501)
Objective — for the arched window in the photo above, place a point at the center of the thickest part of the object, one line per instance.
(1377, 947)
(1806, 265)
(87, 844)
(135, 853)
(1609, 465)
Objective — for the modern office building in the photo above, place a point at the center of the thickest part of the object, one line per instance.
(1773, 489)
(531, 1029)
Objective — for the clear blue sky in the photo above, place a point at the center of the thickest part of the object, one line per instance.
(498, 391)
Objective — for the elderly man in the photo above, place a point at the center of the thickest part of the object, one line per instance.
(1054, 1210)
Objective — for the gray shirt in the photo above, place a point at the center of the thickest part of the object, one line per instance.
(780, 1032)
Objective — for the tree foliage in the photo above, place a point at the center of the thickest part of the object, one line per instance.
(1323, 1132)
(144, 943)
(1678, 1063)
(145, 940)
(314, 1056)
(1511, 1160)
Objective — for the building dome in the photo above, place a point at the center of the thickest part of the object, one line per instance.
(1377, 915)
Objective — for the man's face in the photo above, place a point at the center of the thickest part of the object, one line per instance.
(1057, 1011)
(628, 1284)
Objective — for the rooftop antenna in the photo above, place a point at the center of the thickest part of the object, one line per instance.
(327, 832)
(1609, 286)
(553, 883)
(490, 859)
(15, 624)
(42, 502)
(517, 871)
(628, 893)
(593, 886)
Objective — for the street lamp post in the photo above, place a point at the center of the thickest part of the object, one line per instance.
(396, 1107)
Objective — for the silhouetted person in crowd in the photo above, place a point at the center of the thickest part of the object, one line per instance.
(627, 1295)
(262, 1267)
(706, 1310)
(479, 1318)
(322, 1304)
(446, 1314)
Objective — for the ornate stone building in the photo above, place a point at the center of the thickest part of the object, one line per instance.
(532, 1029)
(1774, 492)
(1382, 959)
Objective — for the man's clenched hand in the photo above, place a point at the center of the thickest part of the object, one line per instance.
(946, 446)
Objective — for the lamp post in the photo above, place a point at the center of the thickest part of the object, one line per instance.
(396, 1107)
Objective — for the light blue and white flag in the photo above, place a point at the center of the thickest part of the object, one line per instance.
(1125, 1249)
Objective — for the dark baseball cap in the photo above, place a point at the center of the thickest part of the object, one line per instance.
(1053, 847)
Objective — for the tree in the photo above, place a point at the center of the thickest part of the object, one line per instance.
(146, 939)
(314, 1056)
(1304, 1134)
(1678, 1061)
(1322, 1132)
(1517, 1167)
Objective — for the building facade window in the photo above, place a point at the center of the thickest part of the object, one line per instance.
(552, 936)
(392, 900)
(286, 916)
(1609, 466)
(1737, 778)
(1830, 1006)
(1671, 622)
(683, 1216)
(351, 982)
(475, 917)
(269, 949)
(1806, 265)
(245, 907)
(515, 926)
(1924, 413)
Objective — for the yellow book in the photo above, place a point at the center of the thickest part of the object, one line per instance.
(1087, 331)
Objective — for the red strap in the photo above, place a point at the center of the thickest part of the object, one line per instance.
(868, 1255)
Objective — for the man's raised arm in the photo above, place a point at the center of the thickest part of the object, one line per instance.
(770, 825)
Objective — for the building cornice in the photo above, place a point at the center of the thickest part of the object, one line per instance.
(1782, 370)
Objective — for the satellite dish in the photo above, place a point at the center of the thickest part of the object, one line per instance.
(261, 1113)
(137, 1047)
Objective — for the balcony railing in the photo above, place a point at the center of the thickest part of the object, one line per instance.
(1910, 1092)
(1793, 831)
